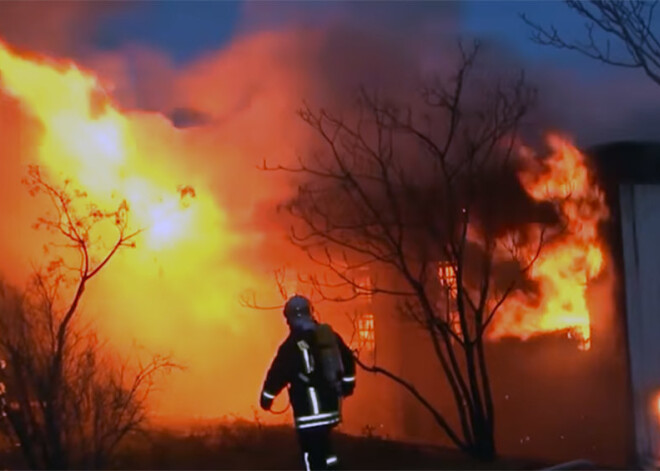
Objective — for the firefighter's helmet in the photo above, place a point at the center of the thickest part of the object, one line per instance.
(298, 306)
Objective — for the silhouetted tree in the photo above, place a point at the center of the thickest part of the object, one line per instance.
(66, 403)
(404, 190)
(619, 33)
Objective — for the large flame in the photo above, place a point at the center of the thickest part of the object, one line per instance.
(179, 291)
(569, 261)
(86, 138)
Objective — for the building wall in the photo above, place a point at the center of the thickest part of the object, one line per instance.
(640, 224)
(553, 401)
(374, 409)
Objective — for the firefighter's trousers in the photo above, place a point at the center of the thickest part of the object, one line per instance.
(316, 448)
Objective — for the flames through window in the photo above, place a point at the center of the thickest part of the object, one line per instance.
(447, 278)
(366, 332)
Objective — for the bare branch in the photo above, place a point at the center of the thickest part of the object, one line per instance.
(402, 188)
(412, 390)
(67, 406)
(628, 24)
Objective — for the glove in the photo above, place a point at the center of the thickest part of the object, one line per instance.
(265, 402)
(347, 388)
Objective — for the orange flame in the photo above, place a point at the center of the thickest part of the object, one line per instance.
(86, 137)
(568, 262)
(183, 282)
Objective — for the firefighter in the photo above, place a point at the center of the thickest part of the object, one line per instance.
(319, 370)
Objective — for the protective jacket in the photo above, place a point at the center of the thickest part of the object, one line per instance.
(314, 403)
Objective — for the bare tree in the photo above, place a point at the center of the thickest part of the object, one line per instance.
(66, 403)
(405, 190)
(619, 33)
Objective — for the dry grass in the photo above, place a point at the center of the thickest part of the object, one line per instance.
(246, 445)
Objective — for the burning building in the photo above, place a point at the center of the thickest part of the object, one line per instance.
(563, 385)
(580, 377)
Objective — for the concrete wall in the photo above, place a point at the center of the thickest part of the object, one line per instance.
(640, 224)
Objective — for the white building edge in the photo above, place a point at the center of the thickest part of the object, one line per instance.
(631, 172)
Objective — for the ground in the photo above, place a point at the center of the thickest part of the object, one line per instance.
(245, 445)
(248, 446)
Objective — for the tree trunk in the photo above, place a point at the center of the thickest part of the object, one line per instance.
(484, 440)
(53, 431)
(23, 436)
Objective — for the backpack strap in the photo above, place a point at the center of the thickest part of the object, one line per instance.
(308, 359)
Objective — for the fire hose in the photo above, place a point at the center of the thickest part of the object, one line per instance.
(282, 411)
(288, 405)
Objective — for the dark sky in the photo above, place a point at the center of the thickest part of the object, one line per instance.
(183, 29)
(188, 29)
